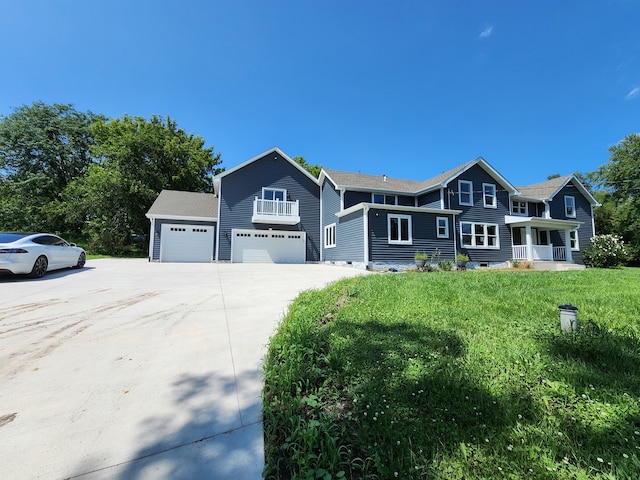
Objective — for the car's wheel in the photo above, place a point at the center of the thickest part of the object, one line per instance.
(82, 259)
(39, 267)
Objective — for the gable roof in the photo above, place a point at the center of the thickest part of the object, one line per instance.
(276, 150)
(545, 191)
(177, 204)
(357, 181)
(444, 178)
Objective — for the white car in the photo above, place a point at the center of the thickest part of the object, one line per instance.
(38, 253)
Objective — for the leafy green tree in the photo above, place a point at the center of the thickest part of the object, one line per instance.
(42, 148)
(136, 159)
(621, 179)
(313, 169)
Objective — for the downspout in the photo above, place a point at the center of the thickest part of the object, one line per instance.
(152, 237)
(321, 223)
(365, 211)
(218, 222)
(455, 243)
(442, 199)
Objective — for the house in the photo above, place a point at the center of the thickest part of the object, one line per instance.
(269, 209)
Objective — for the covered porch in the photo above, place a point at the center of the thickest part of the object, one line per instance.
(532, 238)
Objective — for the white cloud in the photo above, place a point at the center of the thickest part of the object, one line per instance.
(633, 93)
(486, 32)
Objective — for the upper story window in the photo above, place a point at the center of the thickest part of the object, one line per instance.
(274, 194)
(399, 227)
(519, 208)
(489, 195)
(442, 226)
(570, 206)
(465, 192)
(384, 199)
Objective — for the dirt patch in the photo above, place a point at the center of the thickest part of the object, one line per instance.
(4, 419)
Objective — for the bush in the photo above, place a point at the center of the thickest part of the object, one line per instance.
(605, 251)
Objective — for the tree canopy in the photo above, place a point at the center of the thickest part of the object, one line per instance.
(313, 169)
(78, 173)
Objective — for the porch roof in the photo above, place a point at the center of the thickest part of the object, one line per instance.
(538, 222)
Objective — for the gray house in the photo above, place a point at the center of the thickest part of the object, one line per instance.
(269, 209)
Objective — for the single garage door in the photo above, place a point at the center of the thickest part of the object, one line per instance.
(268, 246)
(186, 243)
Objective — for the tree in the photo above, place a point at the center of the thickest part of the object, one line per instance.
(312, 169)
(621, 180)
(42, 149)
(136, 159)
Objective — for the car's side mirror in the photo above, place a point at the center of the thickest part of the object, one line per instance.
(72, 244)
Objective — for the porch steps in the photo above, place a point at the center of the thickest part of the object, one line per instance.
(557, 266)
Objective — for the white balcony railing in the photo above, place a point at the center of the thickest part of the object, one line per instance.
(538, 252)
(275, 211)
(560, 254)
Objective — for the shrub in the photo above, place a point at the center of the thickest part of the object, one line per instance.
(446, 265)
(605, 251)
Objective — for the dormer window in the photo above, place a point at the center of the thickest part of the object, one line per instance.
(570, 206)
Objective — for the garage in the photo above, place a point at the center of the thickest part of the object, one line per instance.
(268, 246)
(186, 243)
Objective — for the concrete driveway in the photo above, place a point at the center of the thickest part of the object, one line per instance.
(135, 370)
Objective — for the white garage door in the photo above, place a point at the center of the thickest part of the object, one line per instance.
(186, 243)
(268, 246)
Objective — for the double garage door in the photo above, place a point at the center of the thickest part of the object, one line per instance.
(186, 243)
(268, 246)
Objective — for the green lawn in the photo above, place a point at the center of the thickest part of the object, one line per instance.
(456, 375)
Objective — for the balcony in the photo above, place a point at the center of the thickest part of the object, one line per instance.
(276, 212)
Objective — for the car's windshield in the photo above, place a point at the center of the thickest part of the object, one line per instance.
(12, 237)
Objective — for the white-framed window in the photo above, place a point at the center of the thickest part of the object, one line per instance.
(479, 235)
(330, 236)
(384, 199)
(570, 206)
(573, 239)
(279, 194)
(519, 208)
(442, 227)
(489, 195)
(465, 192)
(399, 228)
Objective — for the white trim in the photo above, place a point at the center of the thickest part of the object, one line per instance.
(446, 226)
(283, 190)
(365, 222)
(593, 223)
(341, 200)
(573, 200)
(188, 218)
(580, 187)
(152, 237)
(218, 224)
(441, 198)
(400, 217)
(465, 182)
(395, 208)
(541, 222)
(577, 240)
(321, 219)
(329, 238)
(485, 235)
(494, 195)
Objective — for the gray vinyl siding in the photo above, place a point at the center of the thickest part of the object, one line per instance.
(239, 188)
(349, 239)
(157, 232)
(406, 201)
(330, 206)
(423, 233)
(354, 198)
(430, 200)
(583, 214)
(479, 214)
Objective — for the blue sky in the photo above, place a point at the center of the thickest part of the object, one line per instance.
(405, 88)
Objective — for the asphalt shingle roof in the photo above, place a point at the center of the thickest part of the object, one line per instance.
(543, 190)
(185, 204)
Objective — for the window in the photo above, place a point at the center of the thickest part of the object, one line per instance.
(573, 239)
(519, 208)
(489, 195)
(570, 206)
(479, 235)
(442, 226)
(384, 199)
(399, 227)
(274, 194)
(330, 236)
(465, 192)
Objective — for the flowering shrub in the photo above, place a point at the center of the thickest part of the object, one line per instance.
(605, 251)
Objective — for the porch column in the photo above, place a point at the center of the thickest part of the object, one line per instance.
(529, 239)
(567, 242)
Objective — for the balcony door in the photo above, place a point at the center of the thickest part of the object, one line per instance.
(277, 194)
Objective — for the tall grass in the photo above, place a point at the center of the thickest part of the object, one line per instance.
(457, 375)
